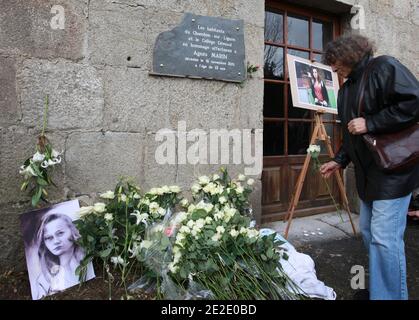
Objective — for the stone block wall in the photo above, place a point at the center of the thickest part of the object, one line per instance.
(105, 108)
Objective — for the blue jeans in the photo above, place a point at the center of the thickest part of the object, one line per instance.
(382, 225)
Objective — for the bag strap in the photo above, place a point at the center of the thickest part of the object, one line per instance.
(362, 86)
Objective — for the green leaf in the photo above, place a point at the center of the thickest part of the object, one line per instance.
(41, 182)
(36, 196)
(264, 258)
(105, 253)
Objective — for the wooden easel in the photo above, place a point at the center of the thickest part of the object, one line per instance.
(319, 133)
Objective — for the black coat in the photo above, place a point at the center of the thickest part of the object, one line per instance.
(391, 103)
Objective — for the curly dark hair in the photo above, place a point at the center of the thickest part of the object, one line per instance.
(348, 50)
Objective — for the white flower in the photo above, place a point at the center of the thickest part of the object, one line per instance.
(145, 201)
(117, 260)
(208, 220)
(174, 189)
(44, 164)
(161, 211)
(154, 207)
(38, 157)
(251, 233)
(191, 208)
(153, 191)
(173, 268)
(160, 191)
(180, 237)
(27, 172)
(195, 188)
(141, 217)
(85, 211)
(145, 244)
(190, 223)
(194, 231)
(203, 180)
(123, 197)
(313, 148)
(108, 195)
(216, 237)
(185, 229)
(243, 230)
(180, 217)
(215, 177)
(241, 177)
(220, 229)
(177, 257)
(234, 233)
(176, 249)
(200, 223)
(108, 217)
(55, 153)
(99, 207)
(222, 200)
(250, 181)
(165, 189)
(56, 160)
(239, 189)
(184, 203)
(136, 196)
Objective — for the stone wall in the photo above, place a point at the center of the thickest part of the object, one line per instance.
(105, 108)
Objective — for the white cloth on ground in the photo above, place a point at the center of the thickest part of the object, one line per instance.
(300, 268)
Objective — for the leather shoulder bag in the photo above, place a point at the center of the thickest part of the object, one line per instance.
(392, 152)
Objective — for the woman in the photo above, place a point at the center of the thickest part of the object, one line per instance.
(318, 88)
(391, 103)
(59, 255)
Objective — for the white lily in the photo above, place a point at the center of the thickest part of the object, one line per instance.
(108, 195)
(38, 157)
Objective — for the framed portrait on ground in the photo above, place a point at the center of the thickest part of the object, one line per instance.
(314, 85)
(52, 253)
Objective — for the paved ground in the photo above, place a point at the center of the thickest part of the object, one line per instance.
(330, 242)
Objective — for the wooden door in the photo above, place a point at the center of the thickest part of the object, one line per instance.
(287, 130)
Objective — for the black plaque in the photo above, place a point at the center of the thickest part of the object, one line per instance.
(202, 47)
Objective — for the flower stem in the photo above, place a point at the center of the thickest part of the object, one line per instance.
(46, 104)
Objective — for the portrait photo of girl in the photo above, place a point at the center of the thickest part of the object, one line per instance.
(314, 86)
(52, 253)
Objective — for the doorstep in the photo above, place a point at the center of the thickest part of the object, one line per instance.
(321, 227)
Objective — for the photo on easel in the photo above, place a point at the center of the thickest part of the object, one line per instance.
(314, 86)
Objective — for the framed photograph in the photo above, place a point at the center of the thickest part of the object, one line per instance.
(314, 86)
(52, 254)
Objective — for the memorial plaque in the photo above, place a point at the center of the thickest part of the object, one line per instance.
(202, 47)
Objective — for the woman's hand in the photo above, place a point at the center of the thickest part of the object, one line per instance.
(328, 168)
(357, 126)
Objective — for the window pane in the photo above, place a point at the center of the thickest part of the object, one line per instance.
(317, 57)
(299, 134)
(273, 100)
(294, 112)
(273, 139)
(299, 53)
(298, 31)
(274, 25)
(322, 34)
(274, 62)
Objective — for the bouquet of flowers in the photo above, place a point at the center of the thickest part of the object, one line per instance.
(211, 251)
(114, 232)
(36, 169)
